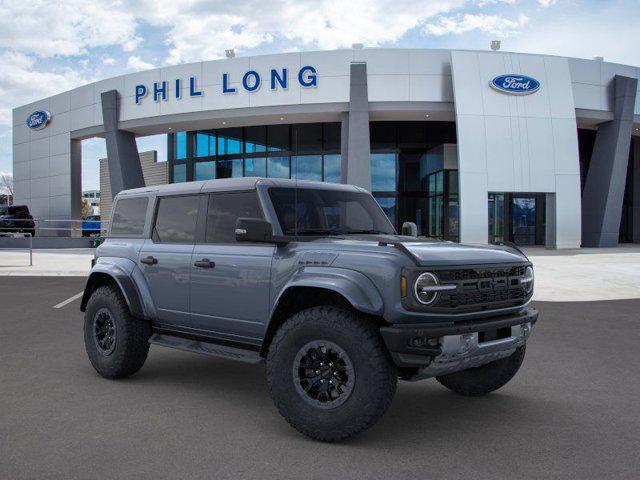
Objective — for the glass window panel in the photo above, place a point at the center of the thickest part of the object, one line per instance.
(332, 136)
(181, 145)
(205, 144)
(278, 167)
(332, 168)
(180, 173)
(306, 167)
(435, 216)
(229, 168)
(453, 182)
(129, 216)
(229, 141)
(255, 167)
(439, 182)
(223, 212)
(454, 220)
(204, 170)
(278, 138)
(176, 219)
(388, 205)
(307, 138)
(383, 172)
(255, 139)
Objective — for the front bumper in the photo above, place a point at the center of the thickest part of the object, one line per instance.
(441, 348)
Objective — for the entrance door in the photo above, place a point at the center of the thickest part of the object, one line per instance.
(517, 218)
(523, 220)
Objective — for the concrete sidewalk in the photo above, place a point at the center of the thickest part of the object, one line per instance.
(63, 262)
(586, 274)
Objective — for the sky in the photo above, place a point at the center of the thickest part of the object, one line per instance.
(48, 47)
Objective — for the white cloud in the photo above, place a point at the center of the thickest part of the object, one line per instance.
(205, 29)
(20, 83)
(46, 29)
(491, 24)
(6, 183)
(547, 3)
(109, 60)
(136, 63)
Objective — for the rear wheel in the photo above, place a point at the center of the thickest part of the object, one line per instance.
(486, 378)
(117, 343)
(329, 373)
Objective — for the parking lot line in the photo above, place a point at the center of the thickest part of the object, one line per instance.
(68, 300)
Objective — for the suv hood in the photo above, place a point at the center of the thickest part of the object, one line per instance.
(448, 253)
(431, 252)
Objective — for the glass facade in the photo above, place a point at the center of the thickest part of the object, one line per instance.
(309, 151)
(410, 179)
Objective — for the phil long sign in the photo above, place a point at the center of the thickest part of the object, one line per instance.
(515, 84)
(251, 81)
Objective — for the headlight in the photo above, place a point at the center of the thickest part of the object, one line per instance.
(426, 288)
(527, 280)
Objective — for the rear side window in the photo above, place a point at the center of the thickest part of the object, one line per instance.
(176, 219)
(224, 210)
(128, 217)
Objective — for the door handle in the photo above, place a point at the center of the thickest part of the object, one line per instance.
(149, 260)
(204, 263)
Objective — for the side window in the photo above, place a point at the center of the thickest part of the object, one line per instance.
(129, 216)
(224, 210)
(176, 219)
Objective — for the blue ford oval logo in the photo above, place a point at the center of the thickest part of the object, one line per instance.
(515, 84)
(38, 119)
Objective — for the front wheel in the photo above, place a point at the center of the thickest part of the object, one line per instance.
(329, 373)
(485, 378)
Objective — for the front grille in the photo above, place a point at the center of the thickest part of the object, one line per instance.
(482, 288)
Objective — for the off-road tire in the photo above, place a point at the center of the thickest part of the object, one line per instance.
(486, 378)
(131, 339)
(375, 375)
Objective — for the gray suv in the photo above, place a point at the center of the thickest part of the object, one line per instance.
(312, 279)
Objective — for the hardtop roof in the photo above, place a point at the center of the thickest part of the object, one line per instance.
(231, 184)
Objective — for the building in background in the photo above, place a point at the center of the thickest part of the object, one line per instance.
(154, 172)
(92, 200)
(471, 146)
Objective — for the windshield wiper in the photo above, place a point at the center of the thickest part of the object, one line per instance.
(364, 231)
(313, 231)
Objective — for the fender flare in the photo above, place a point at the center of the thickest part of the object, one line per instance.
(356, 287)
(122, 271)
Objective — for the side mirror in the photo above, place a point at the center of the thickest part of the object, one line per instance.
(409, 229)
(253, 230)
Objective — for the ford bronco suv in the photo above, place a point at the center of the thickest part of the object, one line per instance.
(312, 279)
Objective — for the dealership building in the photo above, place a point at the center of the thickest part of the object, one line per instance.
(472, 146)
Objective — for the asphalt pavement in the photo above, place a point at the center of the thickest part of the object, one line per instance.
(573, 410)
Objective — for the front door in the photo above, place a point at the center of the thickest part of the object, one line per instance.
(165, 259)
(230, 281)
(523, 219)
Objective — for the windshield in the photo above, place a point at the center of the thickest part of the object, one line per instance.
(328, 212)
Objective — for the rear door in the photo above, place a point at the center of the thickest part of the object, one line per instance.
(165, 258)
(230, 281)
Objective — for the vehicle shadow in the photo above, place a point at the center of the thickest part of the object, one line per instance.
(420, 410)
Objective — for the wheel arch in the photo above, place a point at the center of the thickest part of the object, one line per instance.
(317, 286)
(116, 276)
